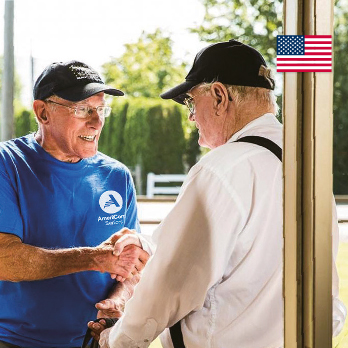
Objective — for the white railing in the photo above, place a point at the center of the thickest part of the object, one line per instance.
(152, 179)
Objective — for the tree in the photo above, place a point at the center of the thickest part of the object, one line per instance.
(147, 68)
(340, 99)
(254, 22)
(149, 132)
(258, 22)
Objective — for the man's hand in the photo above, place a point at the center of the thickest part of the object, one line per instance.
(122, 266)
(133, 258)
(126, 239)
(96, 328)
(110, 308)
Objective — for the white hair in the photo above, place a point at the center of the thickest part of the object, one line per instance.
(244, 95)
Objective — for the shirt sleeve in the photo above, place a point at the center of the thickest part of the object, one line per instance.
(10, 216)
(194, 244)
(339, 311)
(131, 219)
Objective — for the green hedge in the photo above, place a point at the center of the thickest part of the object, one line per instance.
(151, 133)
(24, 122)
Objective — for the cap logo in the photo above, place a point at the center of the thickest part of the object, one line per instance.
(82, 72)
(267, 74)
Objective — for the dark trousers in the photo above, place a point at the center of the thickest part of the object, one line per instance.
(9, 345)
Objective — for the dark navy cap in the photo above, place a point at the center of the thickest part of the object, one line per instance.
(230, 62)
(73, 81)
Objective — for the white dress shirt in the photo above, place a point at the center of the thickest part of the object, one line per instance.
(218, 264)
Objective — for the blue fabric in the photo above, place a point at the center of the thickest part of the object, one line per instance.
(53, 204)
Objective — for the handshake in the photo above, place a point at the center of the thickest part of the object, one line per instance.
(121, 255)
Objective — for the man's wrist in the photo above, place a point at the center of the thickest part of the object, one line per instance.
(94, 258)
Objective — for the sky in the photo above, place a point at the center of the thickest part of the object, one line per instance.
(93, 31)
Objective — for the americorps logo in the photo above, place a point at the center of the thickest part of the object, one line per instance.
(111, 202)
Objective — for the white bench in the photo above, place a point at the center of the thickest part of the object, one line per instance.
(152, 179)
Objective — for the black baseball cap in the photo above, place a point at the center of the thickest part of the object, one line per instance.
(230, 62)
(73, 81)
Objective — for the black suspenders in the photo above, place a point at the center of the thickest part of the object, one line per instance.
(176, 335)
(175, 330)
(261, 141)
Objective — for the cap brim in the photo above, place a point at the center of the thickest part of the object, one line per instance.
(179, 93)
(78, 93)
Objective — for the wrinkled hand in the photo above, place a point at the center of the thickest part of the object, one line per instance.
(121, 266)
(97, 328)
(110, 308)
(133, 259)
(126, 239)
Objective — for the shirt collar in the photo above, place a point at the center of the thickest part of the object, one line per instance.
(264, 120)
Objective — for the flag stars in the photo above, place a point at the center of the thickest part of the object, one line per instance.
(290, 44)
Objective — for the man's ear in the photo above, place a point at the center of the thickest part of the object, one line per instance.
(40, 109)
(220, 95)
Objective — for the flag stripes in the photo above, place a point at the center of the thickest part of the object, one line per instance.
(304, 53)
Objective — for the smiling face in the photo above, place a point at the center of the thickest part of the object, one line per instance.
(64, 136)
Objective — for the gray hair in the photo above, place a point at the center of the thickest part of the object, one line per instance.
(243, 95)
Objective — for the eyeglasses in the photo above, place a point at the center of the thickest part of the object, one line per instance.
(190, 105)
(84, 111)
(189, 102)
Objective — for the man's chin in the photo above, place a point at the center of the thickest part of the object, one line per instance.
(202, 143)
(88, 154)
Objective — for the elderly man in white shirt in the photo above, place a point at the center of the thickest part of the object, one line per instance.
(216, 276)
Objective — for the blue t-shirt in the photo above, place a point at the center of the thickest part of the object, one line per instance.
(53, 204)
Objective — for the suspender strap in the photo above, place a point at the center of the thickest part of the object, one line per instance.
(94, 344)
(176, 335)
(261, 141)
(175, 330)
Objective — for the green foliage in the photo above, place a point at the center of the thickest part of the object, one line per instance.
(254, 22)
(258, 22)
(340, 99)
(147, 68)
(111, 141)
(148, 132)
(192, 148)
(24, 122)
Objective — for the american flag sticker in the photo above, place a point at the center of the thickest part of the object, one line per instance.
(304, 53)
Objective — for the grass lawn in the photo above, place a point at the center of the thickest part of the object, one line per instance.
(341, 341)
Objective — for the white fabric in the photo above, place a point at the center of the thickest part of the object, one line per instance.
(339, 311)
(218, 262)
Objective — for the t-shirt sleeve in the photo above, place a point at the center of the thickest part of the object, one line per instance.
(131, 220)
(10, 216)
